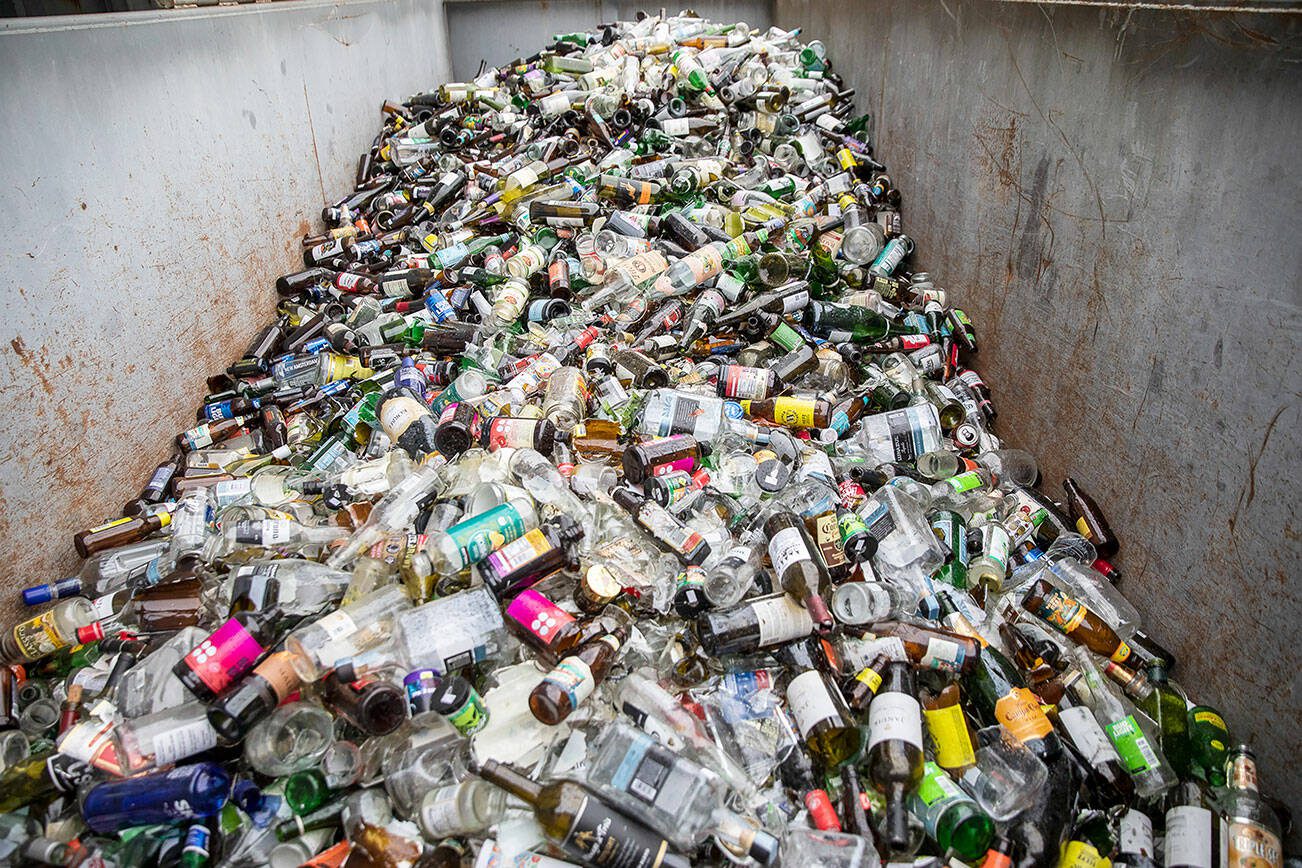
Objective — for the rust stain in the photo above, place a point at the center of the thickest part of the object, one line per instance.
(29, 362)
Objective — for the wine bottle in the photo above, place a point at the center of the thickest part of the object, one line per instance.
(798, 566)
(584, 825)
(753, 625)
(830, 734)
(895, 748)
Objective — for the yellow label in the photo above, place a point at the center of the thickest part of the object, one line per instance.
(1083, 529)
(1019, 711)
(949, 730)
(794, 412)
(870, 676)
(1210, 717)
(1078, 854)
(1122, 654)
(108, 524)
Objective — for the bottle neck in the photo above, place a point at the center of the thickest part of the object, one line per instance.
(1242, 774)
(512, 781)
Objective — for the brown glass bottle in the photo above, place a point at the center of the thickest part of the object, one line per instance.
(583, 825)
(119, 532)
(791, 412)
(660, 456)
(373, 706)
(1090, 521)
(574, 679)
(596, 440)
(162, 608)
(931, 647)
(1072, 618)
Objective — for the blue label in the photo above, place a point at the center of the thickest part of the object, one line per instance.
(623, 775)
(316, 345)
(217, 412)
(732, 410)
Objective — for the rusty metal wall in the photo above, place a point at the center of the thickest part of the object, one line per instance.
(158, 170)
(1114, 197)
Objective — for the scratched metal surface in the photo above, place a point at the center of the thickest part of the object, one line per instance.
(159, 169)
(1115, 200)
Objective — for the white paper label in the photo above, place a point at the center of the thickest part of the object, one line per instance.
(781, 619)
(895, 715)
(1135, 831)
(337, 624)
(1089, 737)
(941, 654)
(786, 548)
(809, 701)
(276, 531)
(184, 741)
(1189, 837)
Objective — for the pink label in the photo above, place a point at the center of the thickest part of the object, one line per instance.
(224, 657)
(688, 464)
(539, 615)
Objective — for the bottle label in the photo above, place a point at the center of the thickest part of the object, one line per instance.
(810, 701)
(781, 619)
(515, 555)
(224, 657)
(1131, 744)
(821, 811)
(336, 625)
(663, 526)
(603, 838)
(943, 654)
(440, 813)
(537, 614)
(643, 770)
(965, 481)
(936, 786)
(1252, 846)
(574, 677)
(1189, 837)
(38, 636)
(894, 716)
(746, 383)
(949, 731)
(1061, 611)
(109, 524)
(827, 536)
(184, 741)
(471, 717)
(794, 412)
(1019, 711)
(1088, 736)
(479, 536)
(278, 671)
(1078, 854)
(1134, 831)
(505, 432)
(870, 677)
(787, 548)
(397, 414)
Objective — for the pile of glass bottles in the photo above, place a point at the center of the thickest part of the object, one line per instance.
(609, 491)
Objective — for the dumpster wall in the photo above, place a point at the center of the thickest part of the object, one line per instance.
(1114, 198)
(159, 168)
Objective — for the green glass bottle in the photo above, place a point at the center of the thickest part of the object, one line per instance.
(1168, 710)
(951, 817)
(1209, 744)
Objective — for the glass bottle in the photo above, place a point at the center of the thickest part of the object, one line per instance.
(584, 825)
(184, 793)
(950, 816)
(1072, 618)
(753, 625)
(67, 622)
(573, 680)
(798, 566)
(1253, 835)
(831, 735)
(1193, 831)
(894, 755)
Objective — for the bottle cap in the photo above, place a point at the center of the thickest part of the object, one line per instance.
(37, 594)
(90, 633)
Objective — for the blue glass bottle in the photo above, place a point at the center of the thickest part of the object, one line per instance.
(183, 793)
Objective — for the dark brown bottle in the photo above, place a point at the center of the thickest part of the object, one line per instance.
(660, 456)
(894, 762)
(931, 647)
(574, 679)
(1072, 618)
(156, 489)
(373, 706)
(1090, 521)
(161, 609)
(119, 532)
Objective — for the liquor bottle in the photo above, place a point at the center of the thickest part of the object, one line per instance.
(319, 646)
(798, 566)
(659, 456)
(664, 527)
(1193, 831)
(583, 825)
(160, 609)
(473, 539)
(894, 756)
(101, 573)
(184, 793)
(229, 653)
(142, 744)
(950, 816)
(1090, 521)
(270, 683)
(1072, 618)
(67, 622)
(538, 554)
(375, 707)
(573, 680)
(1132, 735)
(830, 734)
(119, 532)
(1104, 770)
(949, 730)
(1253, 836)
(465, 808)
(670, 793)
(931, 647)
(999, 695)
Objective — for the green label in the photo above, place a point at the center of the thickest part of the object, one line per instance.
(964, 481)
(786, 337)
(936, 785)
(1131, 745)
(480, 536)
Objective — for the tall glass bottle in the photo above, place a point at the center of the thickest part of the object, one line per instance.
(894, 760)
(1254, 836)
